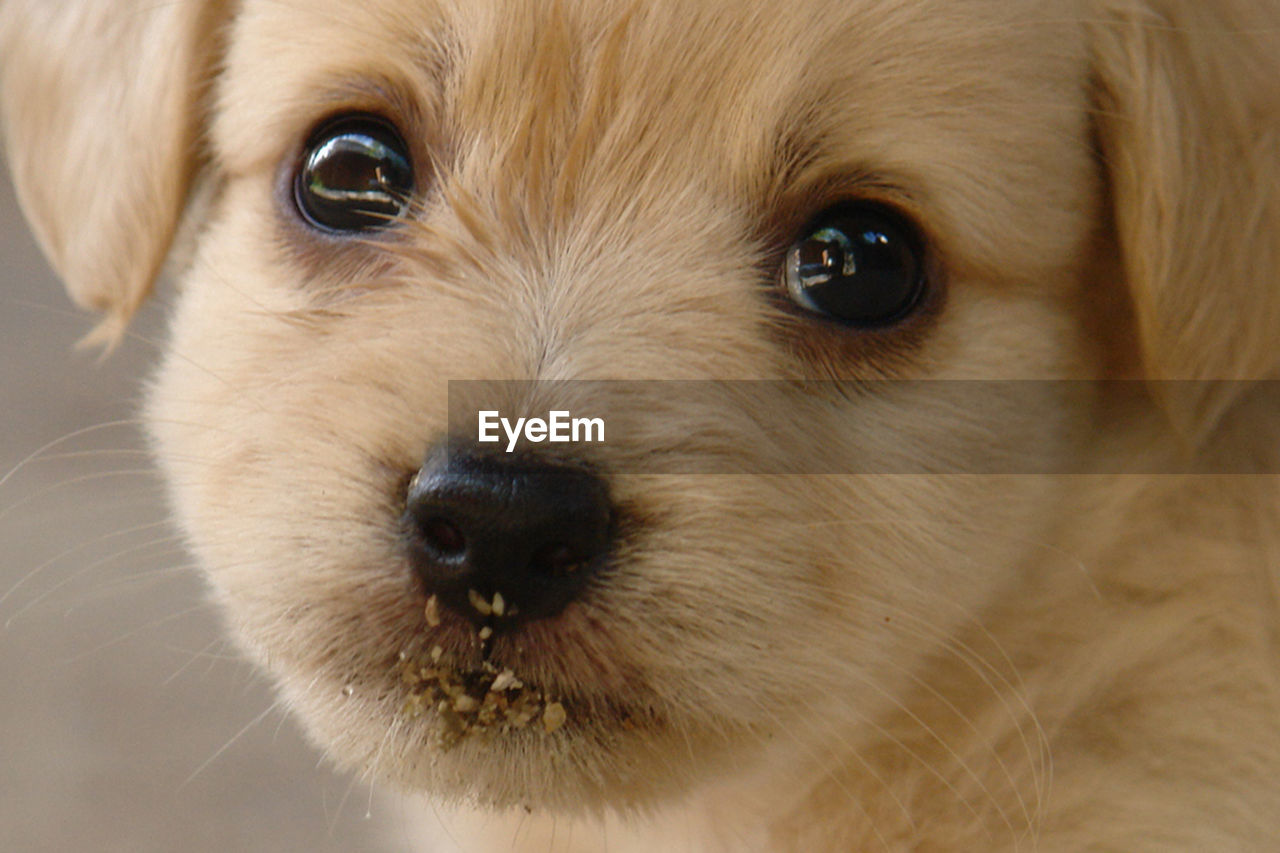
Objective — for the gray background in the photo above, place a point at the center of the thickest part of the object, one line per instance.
(126, 723)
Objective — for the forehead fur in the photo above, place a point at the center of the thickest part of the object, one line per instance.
(759, 109)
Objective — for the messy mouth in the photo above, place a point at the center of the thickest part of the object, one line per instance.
(483, 701)
(472, 701)
(467, 696)
(469, 701)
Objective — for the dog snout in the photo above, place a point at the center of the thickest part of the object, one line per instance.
(504, 540)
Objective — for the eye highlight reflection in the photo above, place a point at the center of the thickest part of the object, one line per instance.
(356, 176)
(858, 264)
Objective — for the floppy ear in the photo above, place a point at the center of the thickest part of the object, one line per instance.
(101, 103)
(1189, 125)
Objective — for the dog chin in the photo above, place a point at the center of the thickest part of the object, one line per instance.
(525, 746)
(531, 716)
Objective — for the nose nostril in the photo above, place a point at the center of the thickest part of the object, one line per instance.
(444, 537)
(555, 560)
(535, 531)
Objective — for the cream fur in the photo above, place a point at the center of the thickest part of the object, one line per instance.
(817, 663)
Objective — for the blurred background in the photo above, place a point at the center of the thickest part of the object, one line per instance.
(126, 723)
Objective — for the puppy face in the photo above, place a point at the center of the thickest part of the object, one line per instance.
(609, 191)
(580, 213)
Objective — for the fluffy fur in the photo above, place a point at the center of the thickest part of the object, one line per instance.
(832, 663)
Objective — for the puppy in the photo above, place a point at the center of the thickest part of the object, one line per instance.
(814, 603)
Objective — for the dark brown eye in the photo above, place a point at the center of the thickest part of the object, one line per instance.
(356, 176)
(861, 264)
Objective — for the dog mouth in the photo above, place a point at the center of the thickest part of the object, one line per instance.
(475, 702)
(469, 699)
(465, 682)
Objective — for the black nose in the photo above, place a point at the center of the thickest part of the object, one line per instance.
(499, 538)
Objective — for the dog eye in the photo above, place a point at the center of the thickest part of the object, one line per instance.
(858, 264)
(355, 176)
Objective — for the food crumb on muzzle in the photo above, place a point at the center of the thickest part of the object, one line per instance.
(553, 717)
(466, 703)
(432, 611)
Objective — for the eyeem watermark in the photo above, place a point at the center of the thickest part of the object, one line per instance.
(559, 427)
(736, 427)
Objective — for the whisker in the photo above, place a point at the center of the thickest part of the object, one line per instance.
(81, 480)
(186, 611)
(114, 586)
(234, 738)
(997, 682)
(71, 436)
(337, 811)
(203, 654)
(833, 774)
